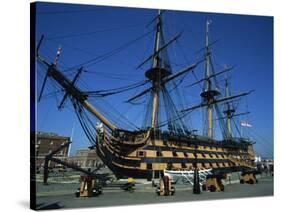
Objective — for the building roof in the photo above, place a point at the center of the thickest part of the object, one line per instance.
(51, 135)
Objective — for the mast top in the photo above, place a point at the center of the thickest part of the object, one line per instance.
(208, 91)
(159, 67)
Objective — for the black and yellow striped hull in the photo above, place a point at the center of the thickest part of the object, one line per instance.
(140, 159)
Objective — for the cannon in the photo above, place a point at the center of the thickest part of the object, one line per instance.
(249, 177)
(213, 183)
(165, 187)
(89, 187)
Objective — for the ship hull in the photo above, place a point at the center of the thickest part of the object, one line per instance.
(149, 159)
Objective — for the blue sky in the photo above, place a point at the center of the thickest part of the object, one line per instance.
(85, 32)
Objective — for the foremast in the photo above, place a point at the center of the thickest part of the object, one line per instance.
(158, 71)
(156, 75)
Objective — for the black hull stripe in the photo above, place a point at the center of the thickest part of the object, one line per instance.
(166, 148)
(136, 163)
(182, 160)
(147, 174)
(224, 144)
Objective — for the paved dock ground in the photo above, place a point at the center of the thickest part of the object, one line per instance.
(145, 194)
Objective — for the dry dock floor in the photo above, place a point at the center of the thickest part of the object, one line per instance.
(146, 195)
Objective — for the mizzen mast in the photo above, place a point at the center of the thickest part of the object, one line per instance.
(229, 111)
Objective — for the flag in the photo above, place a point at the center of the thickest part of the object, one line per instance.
(245, 124)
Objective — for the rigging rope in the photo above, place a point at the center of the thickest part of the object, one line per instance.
(83, 123)
(108, 92)
(221, 122)
(104, 56)
(95, 32)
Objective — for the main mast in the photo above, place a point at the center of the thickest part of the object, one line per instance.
(208, 93)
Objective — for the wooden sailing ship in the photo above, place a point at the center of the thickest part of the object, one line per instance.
(146, 152)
